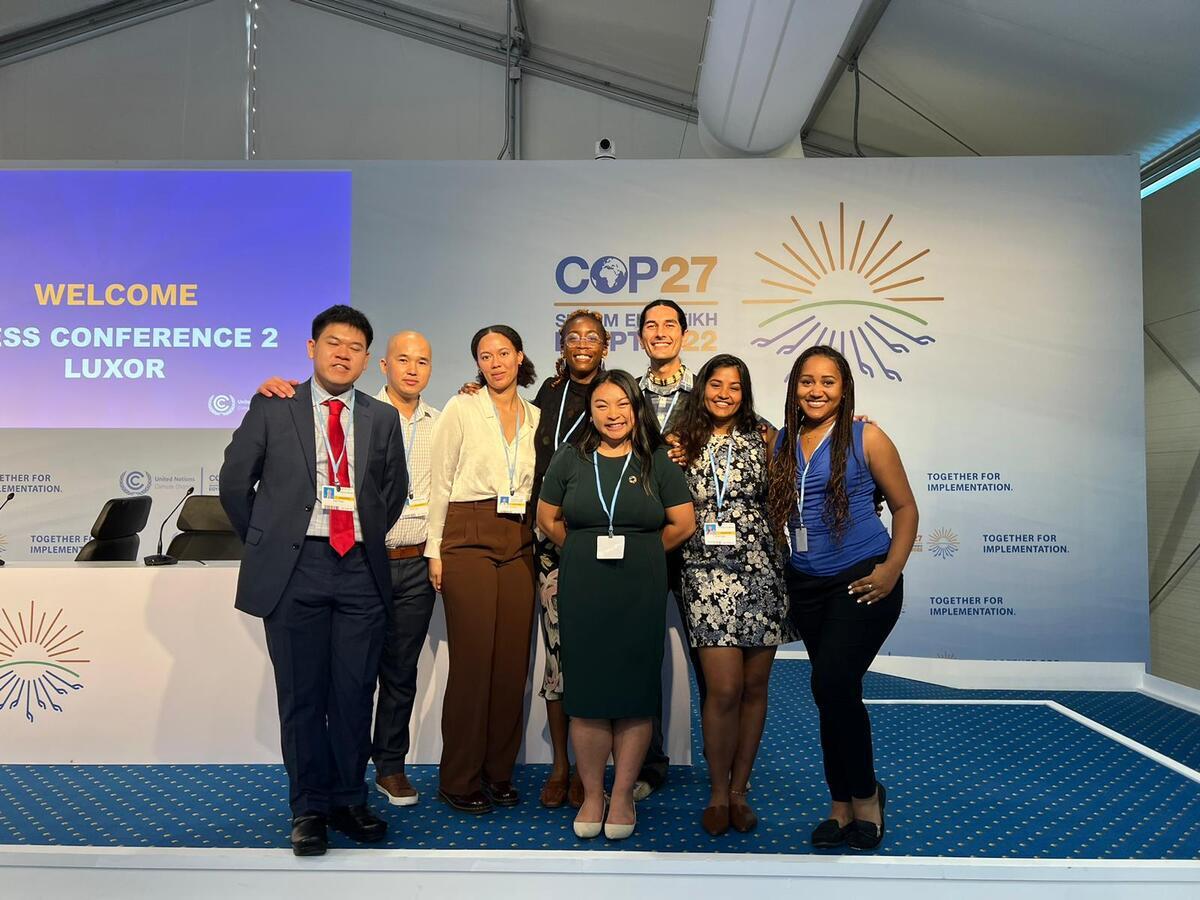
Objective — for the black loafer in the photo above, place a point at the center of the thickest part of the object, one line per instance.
(476, 803)
(309, 837)
(868, 835)
(502, 793)
(358, 823)
(830, 834)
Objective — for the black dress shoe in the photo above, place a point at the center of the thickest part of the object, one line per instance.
(867, 835)
(502, 793)
(309, 837)
(358, 823)
(830, 834)
(476, 803)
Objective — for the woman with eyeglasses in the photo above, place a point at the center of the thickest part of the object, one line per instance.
(562, 400)
(616, 505)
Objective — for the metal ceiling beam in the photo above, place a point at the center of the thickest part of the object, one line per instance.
(84, 25)
(481, 43)
(1185, 152)
(856, 40)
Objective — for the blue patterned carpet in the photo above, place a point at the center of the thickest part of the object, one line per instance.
(1018, 782)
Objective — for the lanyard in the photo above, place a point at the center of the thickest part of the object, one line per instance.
(808, 465)
(408, 448)
(511, 462)
(610, 511)
(722, 484)
(562, 405)
(670, 409)
(336, 461)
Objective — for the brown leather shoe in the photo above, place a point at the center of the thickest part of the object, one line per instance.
(741, 816)
(475, 803)
(715, 820)
(397, 789)
(501, 793)
(554, 792)
(575, 791)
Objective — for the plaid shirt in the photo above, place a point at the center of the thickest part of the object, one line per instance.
(667, 400)
(411, 528)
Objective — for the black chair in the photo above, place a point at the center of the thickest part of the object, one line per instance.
(205, 532)
(115, 534)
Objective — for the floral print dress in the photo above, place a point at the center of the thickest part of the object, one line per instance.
(734, 595)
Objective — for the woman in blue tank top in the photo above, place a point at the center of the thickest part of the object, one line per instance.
(844, 576)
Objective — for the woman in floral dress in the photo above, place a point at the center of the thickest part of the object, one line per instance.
(733, 587)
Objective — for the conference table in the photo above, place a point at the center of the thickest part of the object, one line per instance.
(108, 663)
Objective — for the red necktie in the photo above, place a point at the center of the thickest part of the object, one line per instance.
(341, 521)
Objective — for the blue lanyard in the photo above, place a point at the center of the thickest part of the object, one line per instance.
(670, 409)
(722, 484)
(558, 441)
(610, 511)
(337, 462)
(807, 466)
(408, 448)
(511, 462)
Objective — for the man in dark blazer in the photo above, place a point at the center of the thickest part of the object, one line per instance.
(311, 484)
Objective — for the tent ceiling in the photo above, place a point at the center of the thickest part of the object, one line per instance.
(1005, 76)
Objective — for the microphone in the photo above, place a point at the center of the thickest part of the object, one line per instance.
(160, 558)
(11, 494)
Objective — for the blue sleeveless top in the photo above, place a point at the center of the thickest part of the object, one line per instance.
(865, 534)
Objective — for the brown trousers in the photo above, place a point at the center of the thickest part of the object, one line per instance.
(487, 589)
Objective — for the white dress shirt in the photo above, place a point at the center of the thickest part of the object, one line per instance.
(318, 525)
(469, 460)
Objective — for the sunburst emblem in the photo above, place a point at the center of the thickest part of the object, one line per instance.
(36, 661)
(943, 543)
(850, 296)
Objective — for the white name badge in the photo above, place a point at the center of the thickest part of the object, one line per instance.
(417, 505)
(720, 534)
(610, 546)
(340, 498)
(511, 504)
(800, 540)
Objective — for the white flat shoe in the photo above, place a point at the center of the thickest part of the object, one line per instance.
(588, 830)
(619, 832)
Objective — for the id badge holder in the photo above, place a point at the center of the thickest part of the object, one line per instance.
(720, 534)
(610, 546)
(511, 505)
(800, 540)
(417, 505)
(337, 498)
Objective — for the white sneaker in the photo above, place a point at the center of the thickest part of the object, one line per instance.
(641, 790)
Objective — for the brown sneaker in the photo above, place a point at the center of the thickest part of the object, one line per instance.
(397, 789)
(575, 791)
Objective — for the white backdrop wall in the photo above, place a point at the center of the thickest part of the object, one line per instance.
(1171, 225)
(1009, 381)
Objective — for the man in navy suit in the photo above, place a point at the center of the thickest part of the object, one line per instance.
(311, 484)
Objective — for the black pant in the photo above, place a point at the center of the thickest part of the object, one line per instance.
(842, 637)
(324, 638)
(411, 608)
(654, 769)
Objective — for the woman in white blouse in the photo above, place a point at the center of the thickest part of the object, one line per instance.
(480, 550)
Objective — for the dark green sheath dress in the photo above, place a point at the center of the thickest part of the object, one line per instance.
(612, 613)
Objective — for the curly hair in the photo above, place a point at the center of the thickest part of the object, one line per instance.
(560, 364)
(781, 494)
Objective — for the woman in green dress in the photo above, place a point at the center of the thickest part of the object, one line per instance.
(616, 505)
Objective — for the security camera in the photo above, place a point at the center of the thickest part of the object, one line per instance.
(605, 149)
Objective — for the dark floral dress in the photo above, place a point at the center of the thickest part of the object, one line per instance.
(734, 595)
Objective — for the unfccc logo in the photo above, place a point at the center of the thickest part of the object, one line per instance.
(135, 482)
(222, 404)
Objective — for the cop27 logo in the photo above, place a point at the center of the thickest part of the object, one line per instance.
(135, 482)
(854, 290)
(40, 659)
